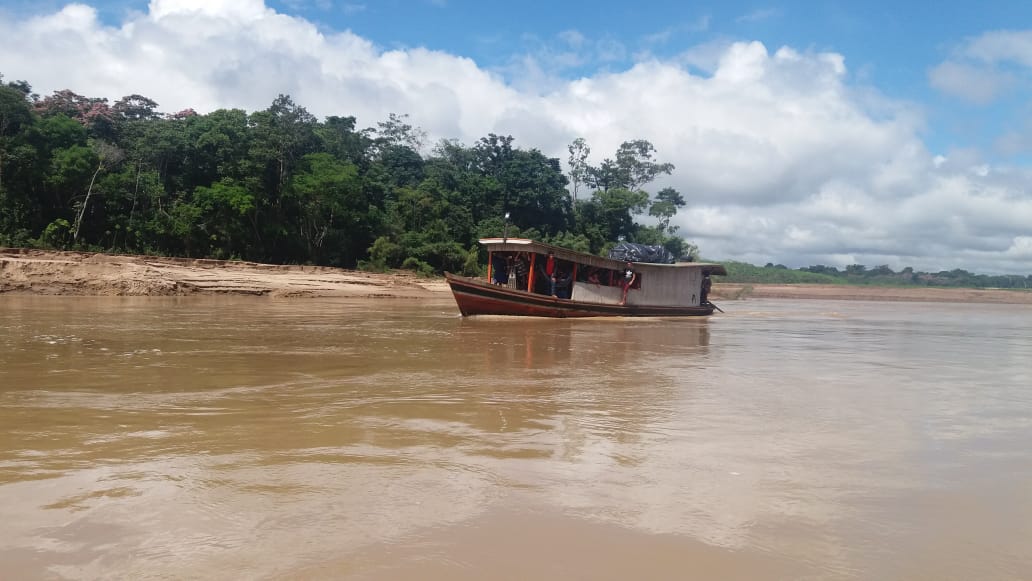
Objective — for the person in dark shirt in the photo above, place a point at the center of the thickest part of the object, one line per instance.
(521, 268)
(500, 270)
(563, 284)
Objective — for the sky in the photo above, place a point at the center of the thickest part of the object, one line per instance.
(802, 133)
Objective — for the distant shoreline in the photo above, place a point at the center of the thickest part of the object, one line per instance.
(731, 291)
(26, 271)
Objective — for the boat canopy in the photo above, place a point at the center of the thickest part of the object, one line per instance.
(526, 245)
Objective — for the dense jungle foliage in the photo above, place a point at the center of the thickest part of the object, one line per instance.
(281, 186)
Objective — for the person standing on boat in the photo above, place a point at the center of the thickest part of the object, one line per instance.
(500, 269)
(704, 294)
(563, 284)
(629, 277)
(521, 269)
(551, 272)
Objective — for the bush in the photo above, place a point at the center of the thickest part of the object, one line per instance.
(385, 253)
(56, 234)
(418, 266)
(372, 266)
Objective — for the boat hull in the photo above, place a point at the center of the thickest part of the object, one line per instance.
(475, 297)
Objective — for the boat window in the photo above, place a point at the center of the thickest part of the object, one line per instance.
(605, 277)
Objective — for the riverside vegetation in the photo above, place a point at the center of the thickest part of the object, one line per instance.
(281, 186)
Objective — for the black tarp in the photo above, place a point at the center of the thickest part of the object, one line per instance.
(631, 252)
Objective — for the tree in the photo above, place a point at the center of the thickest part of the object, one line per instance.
(15, 115)
(491, 153)
(856, 269)
(607, 175)
(882, 270)
(534, 190)
(135, 108)
(395, 131)
(578, 161)
(666, 204)
(634, 160)
(333, 212)
(107, 156)
(633, 167)
(281, 136)
(618, 207)
(340, 139)
(219, 215)
(216, 147)
(92, 112)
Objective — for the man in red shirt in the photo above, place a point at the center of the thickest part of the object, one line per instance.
(550, 272)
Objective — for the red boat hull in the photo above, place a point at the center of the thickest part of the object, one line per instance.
(475, 297)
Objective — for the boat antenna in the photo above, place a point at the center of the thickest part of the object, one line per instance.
(505, 231)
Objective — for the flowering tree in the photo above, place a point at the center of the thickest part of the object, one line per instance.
(89, 111)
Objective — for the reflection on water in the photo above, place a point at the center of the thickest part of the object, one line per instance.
(214, 438)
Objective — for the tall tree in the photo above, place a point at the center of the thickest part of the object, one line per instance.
(396, 131)
(666, 204)
(637, 167)
(107, 156)
(578, 161)
(633, 167)
(135, 108)
(333, 211)
(15, 115)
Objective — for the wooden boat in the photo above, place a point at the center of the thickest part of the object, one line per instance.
(586, 285)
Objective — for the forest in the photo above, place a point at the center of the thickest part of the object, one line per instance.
(281, 186)
(859, 274)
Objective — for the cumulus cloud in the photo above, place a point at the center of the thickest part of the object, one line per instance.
(781, 157)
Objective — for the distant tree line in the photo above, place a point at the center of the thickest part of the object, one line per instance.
(282, 186)
(882, 275)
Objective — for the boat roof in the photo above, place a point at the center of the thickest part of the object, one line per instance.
(527, 245)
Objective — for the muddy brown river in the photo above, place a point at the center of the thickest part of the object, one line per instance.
(247, 438)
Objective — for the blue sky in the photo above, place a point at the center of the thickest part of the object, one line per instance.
(802, 132)
(890, 45)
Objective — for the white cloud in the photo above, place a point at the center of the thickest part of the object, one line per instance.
(1002, 46)
(780, 157)
(980, 68)
(758, 15)
(976, 84)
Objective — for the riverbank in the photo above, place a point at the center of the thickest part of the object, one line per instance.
(45, 272)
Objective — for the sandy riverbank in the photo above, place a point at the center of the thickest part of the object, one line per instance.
(26, 271)
(41, 272)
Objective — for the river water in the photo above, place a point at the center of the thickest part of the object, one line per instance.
(216, 438)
